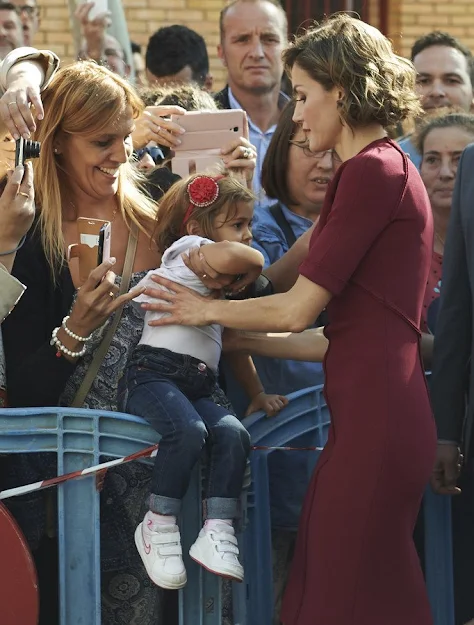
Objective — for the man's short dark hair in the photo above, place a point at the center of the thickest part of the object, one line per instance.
(135, 47)
(8, 6)
(172, 48)
(441, 38)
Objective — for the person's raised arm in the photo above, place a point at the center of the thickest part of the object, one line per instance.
(232, 258)
(24, 73)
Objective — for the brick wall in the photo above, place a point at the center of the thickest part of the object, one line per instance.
(408, 19)
(414, 18)
(143, 18)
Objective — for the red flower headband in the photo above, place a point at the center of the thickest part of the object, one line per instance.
(203, 191)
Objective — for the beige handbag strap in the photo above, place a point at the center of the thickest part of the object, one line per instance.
(99, 355)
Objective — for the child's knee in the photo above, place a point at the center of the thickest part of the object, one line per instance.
(193, 434)
(232, 434)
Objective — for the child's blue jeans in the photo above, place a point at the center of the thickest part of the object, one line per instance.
(173, 393)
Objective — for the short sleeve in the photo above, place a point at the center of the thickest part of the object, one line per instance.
(368, 195)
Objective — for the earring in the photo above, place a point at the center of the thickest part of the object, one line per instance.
(55, 150)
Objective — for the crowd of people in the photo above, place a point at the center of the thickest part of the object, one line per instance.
(317, 236)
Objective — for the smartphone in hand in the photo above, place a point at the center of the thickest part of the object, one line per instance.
(94, 245)
(103, 248)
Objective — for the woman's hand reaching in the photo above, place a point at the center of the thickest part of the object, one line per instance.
(184, 306)
(97, 300)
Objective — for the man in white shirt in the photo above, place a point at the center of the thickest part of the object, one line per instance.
(253, 34)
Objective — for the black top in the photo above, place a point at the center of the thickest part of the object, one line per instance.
(222, 98)
(35, 375)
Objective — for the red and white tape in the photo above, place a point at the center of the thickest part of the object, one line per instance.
(149, 452)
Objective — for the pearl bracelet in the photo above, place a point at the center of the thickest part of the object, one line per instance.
(73, 335)
(61, 348)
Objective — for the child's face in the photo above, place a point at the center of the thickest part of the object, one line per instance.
(238, 229)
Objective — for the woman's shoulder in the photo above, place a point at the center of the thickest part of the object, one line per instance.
(381, 159)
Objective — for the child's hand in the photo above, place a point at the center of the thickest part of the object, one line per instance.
(269, 404)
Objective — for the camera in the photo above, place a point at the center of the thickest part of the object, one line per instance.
(26, 149)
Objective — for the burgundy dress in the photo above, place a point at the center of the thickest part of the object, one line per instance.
(355, 561)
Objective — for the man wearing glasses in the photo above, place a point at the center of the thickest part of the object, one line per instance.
(30, 18)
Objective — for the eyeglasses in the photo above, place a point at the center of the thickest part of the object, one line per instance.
(307, 152)
(29, 10)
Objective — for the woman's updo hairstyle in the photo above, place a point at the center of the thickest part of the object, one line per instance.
(345, 52)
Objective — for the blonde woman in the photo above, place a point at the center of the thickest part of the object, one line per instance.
(83, 171)
(355, 562)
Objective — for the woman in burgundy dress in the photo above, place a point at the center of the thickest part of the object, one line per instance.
(355, 561)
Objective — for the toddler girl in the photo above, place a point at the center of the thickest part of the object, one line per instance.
(172, 378)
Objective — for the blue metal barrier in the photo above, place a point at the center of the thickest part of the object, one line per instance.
(80, 438)
(307, 414)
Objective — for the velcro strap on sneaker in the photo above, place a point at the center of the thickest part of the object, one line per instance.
(227, 548)
(166, 538)
(170, 550)
(225, 537)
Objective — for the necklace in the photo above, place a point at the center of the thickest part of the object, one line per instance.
(114, 212)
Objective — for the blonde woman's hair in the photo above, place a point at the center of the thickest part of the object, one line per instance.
(347, 53)
(82, 99)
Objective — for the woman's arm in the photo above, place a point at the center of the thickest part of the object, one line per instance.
(232, 258)
(308, 346)
(293, 311)
(284, 272)
(24, 73)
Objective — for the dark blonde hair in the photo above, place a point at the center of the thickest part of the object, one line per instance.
(173, 207)
(82, 99)
(345, 52)
(443, 118)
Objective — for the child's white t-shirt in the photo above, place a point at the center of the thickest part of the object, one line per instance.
(203, 343)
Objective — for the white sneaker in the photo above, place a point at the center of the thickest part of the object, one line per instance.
(217, 551)
(161, 553)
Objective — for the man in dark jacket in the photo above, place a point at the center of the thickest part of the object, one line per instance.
(253, 34)
(452, 383)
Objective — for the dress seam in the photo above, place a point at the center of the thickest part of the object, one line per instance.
(376, 486)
